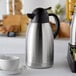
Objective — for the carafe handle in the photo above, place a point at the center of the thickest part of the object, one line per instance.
(57, 24)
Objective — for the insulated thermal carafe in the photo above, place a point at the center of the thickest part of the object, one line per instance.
(40, 39)
(72, 45)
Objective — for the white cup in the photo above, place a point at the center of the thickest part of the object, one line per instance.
(9, 63)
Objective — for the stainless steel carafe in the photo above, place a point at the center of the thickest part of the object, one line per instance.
(73, 29)
(40, 40)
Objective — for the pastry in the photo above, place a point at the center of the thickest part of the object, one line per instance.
(64, 31)
(2, 29)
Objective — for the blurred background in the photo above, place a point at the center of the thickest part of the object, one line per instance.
(14, 20)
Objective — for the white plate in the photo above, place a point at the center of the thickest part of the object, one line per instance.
(18, 71)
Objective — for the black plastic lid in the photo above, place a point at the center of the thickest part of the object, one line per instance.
(41, 16)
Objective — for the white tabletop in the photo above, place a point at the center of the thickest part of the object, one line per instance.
(60, 67)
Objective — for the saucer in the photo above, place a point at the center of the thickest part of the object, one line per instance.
(13, 72)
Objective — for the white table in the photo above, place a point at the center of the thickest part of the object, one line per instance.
(60, 67)
(13, 45)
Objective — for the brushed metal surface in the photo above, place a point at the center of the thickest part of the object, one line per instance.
(39, 46)
(73, 29)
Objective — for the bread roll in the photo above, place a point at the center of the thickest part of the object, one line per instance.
(64, 31)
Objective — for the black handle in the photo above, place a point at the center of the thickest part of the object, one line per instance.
(57, 24)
